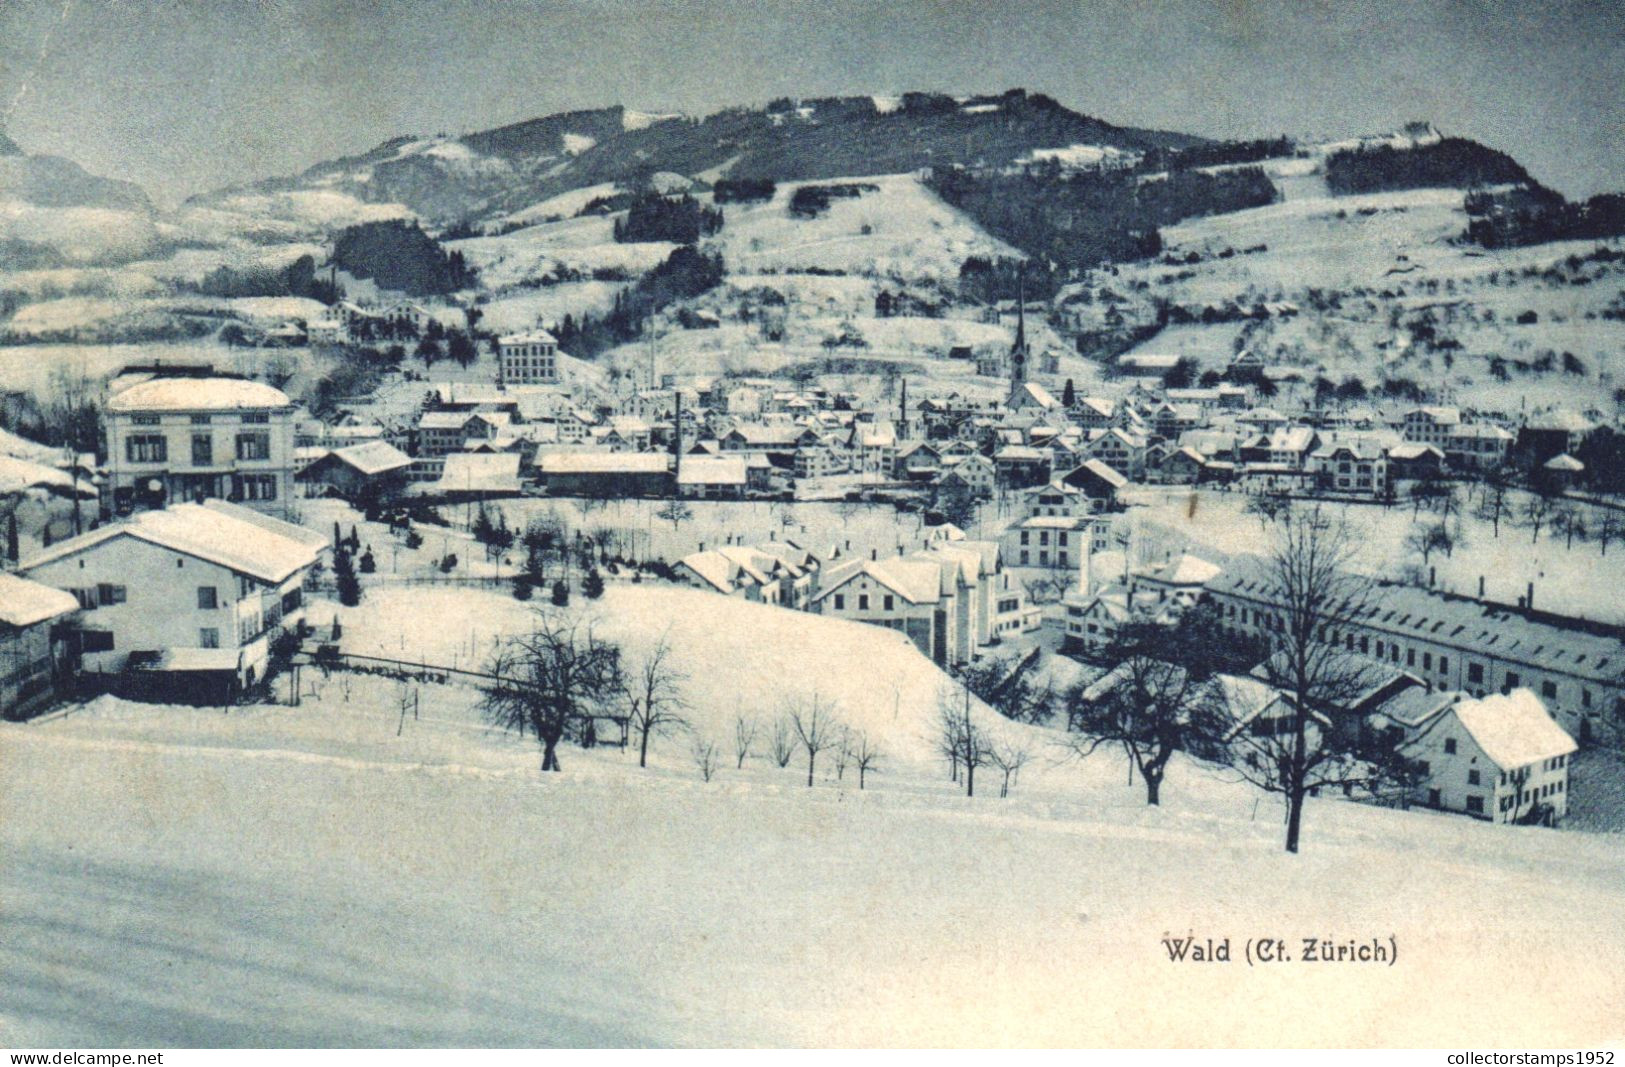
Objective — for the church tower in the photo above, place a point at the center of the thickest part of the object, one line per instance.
(1018, 351)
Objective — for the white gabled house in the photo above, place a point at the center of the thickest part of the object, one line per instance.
(193, 589)
(1501, 758)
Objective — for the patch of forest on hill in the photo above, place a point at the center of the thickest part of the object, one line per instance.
(1533, 214)
(397, 254)
(1094, 217)
(1452, 163)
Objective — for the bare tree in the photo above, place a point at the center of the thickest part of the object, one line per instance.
(783, 743)
(843, 753)
(959, 737)
(1569, 522)
(705, 757)
(655, 698)
(1315, 596)
(1426, 540)
(1610, 529)
(1492, 503)
(1157, 701)
(866, 756)
(1267, 507)
(1534, 513)
(816, 729)
(675, 511)
(744, 736)
(1009, 756)
(551, 681)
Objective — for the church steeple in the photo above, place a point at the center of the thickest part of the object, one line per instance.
(1018, 351)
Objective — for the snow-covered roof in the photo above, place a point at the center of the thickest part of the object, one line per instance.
(373, 457)
(916, 581)
(17, 475)
(1564, 462)
(1514, 729)
(532, 337)
(198, 394)
(24, 603)
(603, 463)
(711, 470)
(315, 539)
(1186, 570)
(214, 534)
(480, 472)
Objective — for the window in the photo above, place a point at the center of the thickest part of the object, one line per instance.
(200, 420)
(95, 641)
(888, 602)
(143, 420)
(1475, 804)
(1511, 683)
(202, 450)
(146, 448)
(840, 602)
(110, 594)
(1410, 657)
(208, 637)
(863, 601)
(1024, 537)
(1472, 778)
(1427, 661)
(1475, 672)
(256, 486)
(260, 417)
(1450, 746)
(252, 446)
(1024, 555)
(1444, 664)
(1062, 536)
(86, 597)
(207, 599)
(1548, 690)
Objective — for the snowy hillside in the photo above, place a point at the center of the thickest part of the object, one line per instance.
(205, 861)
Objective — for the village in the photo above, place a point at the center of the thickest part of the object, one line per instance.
(1026, 541)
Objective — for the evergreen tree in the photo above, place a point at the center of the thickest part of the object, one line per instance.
(368, 564)
(593, 584)
(561, 594)
(344, 574)
(1069, 394)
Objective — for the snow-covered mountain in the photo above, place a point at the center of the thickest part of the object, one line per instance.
(477, 175)
(53, 212)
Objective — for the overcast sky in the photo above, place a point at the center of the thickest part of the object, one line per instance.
(186, 96)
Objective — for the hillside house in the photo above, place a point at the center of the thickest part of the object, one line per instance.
(196, 592)
(1431, 425)
(374, 468)
(1355, 468)
(1500, 758)
(712, 477)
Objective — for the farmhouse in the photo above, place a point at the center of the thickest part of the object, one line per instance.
(606, 474)
(1500, 758)
(34, 658)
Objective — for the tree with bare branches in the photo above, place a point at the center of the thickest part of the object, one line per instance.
(866, 756)
(816, 728)
(744, 736)
(960, 737)
(1009, 756)
(1315, 597)
(782, 743)
(1155, 702)
(1004, 686)
(551, 681)
(655, 697)
(705, 757)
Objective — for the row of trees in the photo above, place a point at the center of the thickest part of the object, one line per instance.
(560, 678)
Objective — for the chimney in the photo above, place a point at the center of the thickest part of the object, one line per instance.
(1529, 600)
(1433, 574)
(702, 546)
(1481, 587)
(772, 535)
(874, 554)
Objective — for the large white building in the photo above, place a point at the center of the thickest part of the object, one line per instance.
(528, 358)
(1500, 758)
(171, 440)
(193, 589)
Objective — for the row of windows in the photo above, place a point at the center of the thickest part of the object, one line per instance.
(253, 417)
(1043, 537)
(888, 602)
(154, 448)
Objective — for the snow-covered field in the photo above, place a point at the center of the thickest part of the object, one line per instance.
(294, 877)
